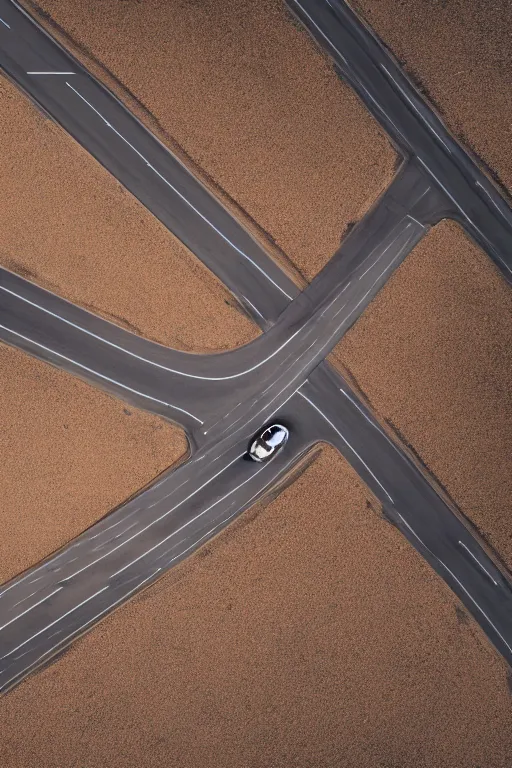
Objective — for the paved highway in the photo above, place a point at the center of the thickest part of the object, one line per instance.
(96, 119)
(172, 383)
(222, 399)
(415, 129)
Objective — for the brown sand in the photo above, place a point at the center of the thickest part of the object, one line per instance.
(309, 635)
(248, 97)
(312, 634)
(433, 355)
(461, 53)
(69, 455)
(68, 225)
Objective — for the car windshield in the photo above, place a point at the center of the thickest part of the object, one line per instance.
(274, 436)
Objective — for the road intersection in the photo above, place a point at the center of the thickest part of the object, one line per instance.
(221, 400)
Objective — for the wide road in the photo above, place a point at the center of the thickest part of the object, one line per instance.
(221, 400)
(413, 126)
(172, 383)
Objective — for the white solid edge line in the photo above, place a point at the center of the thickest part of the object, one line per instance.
(185, 200)
(463, 212)
(47, 597)
(426, 122)
(347, 443)
(145, 359)
(189, 522)
(125, 597)
(91, 621)
(454, 577)
(158, 544)
(153, 522)
(479, 184)
(100, 375)
(413, 105)
(477, 561)
(320, 30)
(75, 608)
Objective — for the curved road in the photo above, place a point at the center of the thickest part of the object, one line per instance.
(172, 383)
(221, 400)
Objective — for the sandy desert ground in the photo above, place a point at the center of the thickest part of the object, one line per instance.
(70, 226)
(459, 53)
(310, 633)
(295, 638)
(432, 354)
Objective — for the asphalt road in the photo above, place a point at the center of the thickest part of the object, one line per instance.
(222, 399)
(173, 383)
(116, 138)
(363, 61)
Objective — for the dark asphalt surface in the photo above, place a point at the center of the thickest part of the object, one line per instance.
(173, 383)
(363, 61)
(222, 399)
(116, 138)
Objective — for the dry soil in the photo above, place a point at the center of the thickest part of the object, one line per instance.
(432, 353)
(69, 455)
(70, 226)
(309, 635)
(460, 54)
(245, 93)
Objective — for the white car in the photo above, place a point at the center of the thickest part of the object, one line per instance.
(268, 442)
